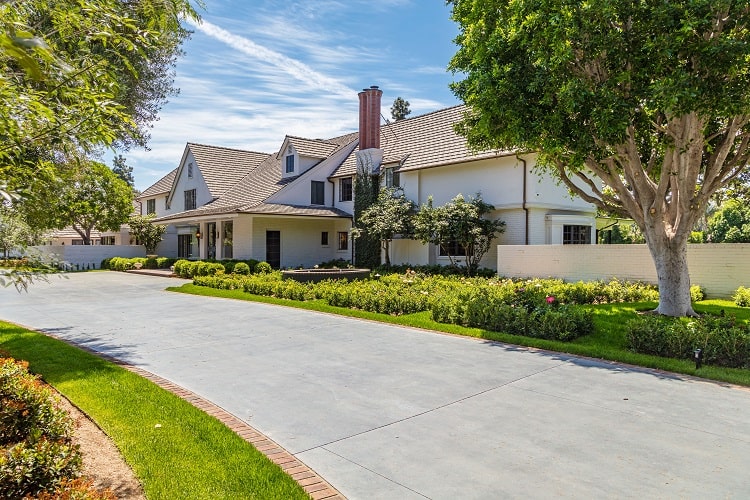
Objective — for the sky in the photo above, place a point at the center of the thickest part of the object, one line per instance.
(257, 70)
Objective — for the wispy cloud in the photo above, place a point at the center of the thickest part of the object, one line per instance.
(292, 67)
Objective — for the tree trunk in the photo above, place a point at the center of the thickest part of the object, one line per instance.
(386, 245)
(670, 259)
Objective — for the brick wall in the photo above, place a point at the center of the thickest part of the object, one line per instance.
(719, 268)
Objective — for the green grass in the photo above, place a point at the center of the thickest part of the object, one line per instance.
(176, 450)
(608, 342)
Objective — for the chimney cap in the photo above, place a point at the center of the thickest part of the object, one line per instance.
(372, 87)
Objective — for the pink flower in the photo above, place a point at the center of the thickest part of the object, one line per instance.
(550, 299)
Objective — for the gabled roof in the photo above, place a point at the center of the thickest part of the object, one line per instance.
(161, 186)
(221, 167)
(249, 194)
(312, 148)
(423, 141)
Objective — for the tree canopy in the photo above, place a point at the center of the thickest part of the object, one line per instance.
(649, 98)
(730, 223)
(77, 75)
(85, 195)
(400, 109)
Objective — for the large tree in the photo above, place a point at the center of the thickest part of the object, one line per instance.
(391, 214)
(76, 75)
(15, 233)
(651, 97)
(86, 196)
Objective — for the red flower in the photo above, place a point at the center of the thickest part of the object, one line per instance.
(550, 299)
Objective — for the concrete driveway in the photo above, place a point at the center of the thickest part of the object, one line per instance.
(384, 412)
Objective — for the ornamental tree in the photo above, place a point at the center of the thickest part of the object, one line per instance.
(649, 98)
(730, 223)
(460, 228)
(146, 232)
(391, 214)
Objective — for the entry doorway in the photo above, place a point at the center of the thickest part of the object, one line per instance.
(184, 246)
(273, 248)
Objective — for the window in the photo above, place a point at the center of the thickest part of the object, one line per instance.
(190, 170)
(576, 235)
(108, 240)
(190, 199)
(289, 164)
(345, 189)
(150, 206)
(166, 202)
(317, 192)
(392, 178)
(343, 240)
(453, 248)
(324, 238)
(77, 242)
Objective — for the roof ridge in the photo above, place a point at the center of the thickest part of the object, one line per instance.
(411, 118)
(226, 147)
(327, 141)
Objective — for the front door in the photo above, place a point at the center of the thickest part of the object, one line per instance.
(211, 240)
(273, 248)
(184, 246)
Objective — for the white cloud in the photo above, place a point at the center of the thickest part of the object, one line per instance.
(292, 67)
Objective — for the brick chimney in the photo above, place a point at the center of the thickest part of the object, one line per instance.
(369, 118)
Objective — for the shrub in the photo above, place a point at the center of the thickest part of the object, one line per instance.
(37, 451)
(105, 263)
(741, 297)
(263, 268)
(179, 267)
(240, 268)
(724, 342)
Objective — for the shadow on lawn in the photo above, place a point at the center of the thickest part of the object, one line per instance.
(50, 352)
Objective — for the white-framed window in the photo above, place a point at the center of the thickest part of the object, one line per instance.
(343, 240)
(392, 177)
(452, 248)
(151, 206)
(317, 193)
(324, 238)
(576, 235)
(290, 164)
(190, 170)
(345, 189)
(190, 199)
(108, 240)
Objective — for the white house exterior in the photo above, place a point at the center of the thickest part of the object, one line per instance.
(294, 207)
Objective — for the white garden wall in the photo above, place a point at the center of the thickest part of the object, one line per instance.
(88, 256)
(719, 268)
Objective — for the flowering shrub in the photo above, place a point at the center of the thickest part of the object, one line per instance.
(741, 297)
(36, 450)
(724, 342)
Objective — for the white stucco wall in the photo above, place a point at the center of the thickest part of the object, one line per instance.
(88, 256)
(185, 183)
(719, 268)
(300, 239)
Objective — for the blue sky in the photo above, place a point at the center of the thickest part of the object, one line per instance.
(257, 70)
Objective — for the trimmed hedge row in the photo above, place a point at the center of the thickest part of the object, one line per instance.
(123, 263)
(37, 455)
(524, 307)
(723, 341)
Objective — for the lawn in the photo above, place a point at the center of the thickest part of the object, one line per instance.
(608, 342)
(175, 449)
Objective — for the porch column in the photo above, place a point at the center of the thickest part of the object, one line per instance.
(201, 241)
(219, 240)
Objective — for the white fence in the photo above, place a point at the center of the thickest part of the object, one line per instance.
(719, 268)
(80, 257)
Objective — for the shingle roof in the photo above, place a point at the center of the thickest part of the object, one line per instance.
(223, 167)
(421, 142)
(313, 148)
(161, 186)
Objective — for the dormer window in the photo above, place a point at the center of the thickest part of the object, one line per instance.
(290, 164)
(190, 170)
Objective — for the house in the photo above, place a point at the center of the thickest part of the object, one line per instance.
(294, 207)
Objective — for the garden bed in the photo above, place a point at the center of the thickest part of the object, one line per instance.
(316, 275)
